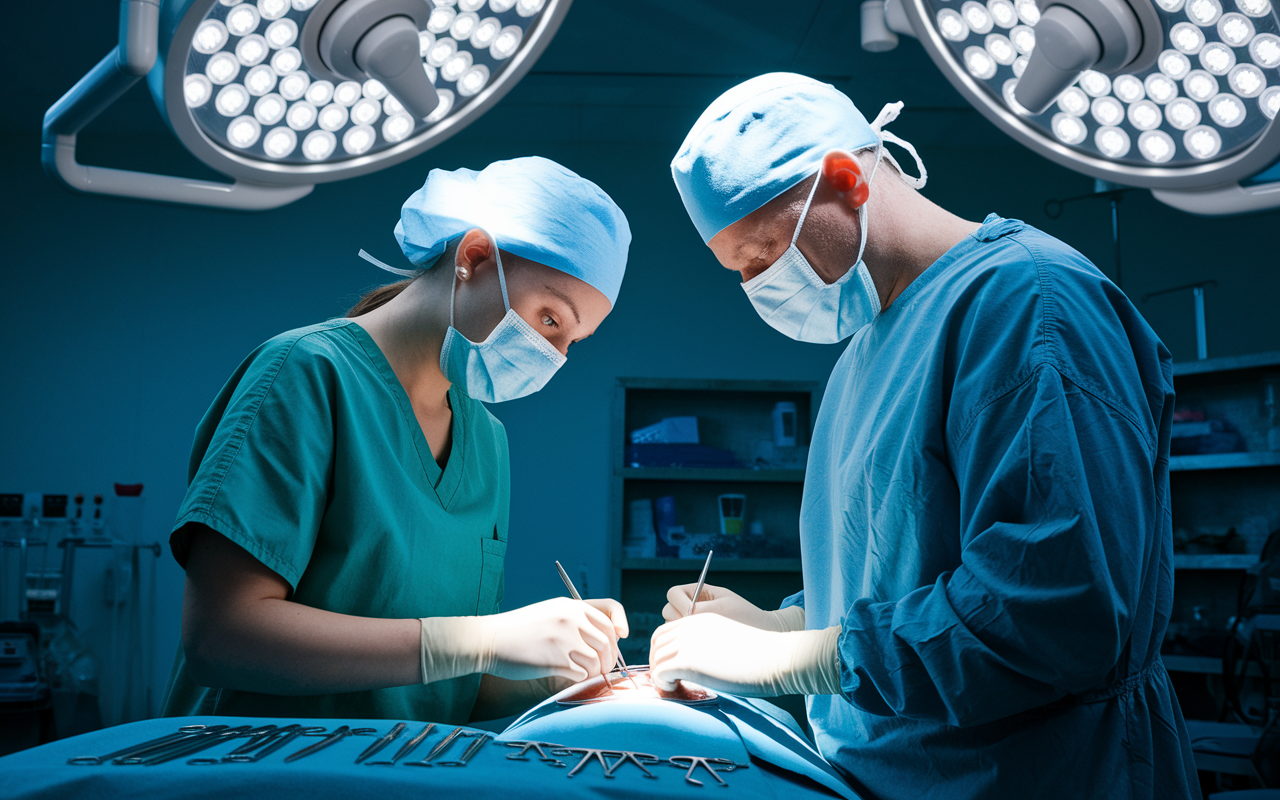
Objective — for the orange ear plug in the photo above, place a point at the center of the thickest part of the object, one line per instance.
(844, 173)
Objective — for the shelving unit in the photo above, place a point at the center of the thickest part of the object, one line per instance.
(732, 415)
(1214, 492)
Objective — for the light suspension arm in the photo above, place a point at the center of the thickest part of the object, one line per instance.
(115, 74)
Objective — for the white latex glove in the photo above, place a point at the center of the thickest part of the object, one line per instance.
(718, 600)
(573, 639)
(729, 656)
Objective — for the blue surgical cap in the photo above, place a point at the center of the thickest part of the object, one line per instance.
(759, 139)
(533, 207)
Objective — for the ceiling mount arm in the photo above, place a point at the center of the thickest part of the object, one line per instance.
(131, 59)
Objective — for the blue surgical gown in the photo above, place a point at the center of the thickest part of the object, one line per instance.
(986, 513)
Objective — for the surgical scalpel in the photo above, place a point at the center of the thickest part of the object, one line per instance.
(693, 604)
(573, 592)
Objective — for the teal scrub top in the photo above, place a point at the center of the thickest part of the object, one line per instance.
(312, 460)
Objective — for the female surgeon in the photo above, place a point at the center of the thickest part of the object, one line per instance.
(345, 523)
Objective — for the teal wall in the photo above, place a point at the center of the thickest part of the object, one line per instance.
(120, 320)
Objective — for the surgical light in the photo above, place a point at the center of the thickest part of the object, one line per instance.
(1265, 50)
(1176, 96)
(282, 94)
(286, 60)
(269, 109)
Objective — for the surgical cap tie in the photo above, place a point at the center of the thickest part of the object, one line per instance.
(888, 114)
(408, 273)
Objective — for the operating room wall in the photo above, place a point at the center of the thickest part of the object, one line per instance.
(120, 320)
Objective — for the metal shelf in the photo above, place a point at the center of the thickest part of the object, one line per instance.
(1215, 561)
(721, 565)
(1224, 461)
(723, 475)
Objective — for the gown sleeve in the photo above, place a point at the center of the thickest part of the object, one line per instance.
(262, 462)
(1058, 511)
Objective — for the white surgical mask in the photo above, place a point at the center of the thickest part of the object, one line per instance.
(512, 362)
(796, 301)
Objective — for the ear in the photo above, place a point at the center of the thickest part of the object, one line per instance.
(474, 249)
(844, 173)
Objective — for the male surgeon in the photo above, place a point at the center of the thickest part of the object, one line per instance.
(985, 526)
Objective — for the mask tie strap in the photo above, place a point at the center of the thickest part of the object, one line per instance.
(502, 279)
(795, 237)
(408, 273)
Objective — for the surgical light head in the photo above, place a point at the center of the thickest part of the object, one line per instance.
(283, 94)
(1196, 80)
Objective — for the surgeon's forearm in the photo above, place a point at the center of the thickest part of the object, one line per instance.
(277, 646)
(240, 632)
(500, 697)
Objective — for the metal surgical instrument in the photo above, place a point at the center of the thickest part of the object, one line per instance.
(201, 741)
(408, 746)
(481, 740)
(185, 732)
(338, 733)
(525, 747)
(281, 738)
(573, 592)
(382, 741)
(693, 604)
(440, 747)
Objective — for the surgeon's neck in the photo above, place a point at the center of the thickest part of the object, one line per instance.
(906, 234)
(410, 330)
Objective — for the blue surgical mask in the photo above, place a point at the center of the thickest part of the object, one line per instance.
(797, 302)
(512, 362)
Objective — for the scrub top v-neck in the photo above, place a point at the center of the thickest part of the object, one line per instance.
(312, 460)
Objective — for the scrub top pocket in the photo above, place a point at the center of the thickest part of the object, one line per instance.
(493, 558)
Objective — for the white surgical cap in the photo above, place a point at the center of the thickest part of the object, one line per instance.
(759, 139)
(533, 207)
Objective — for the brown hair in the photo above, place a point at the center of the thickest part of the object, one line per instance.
(377, 296)
(381, 295)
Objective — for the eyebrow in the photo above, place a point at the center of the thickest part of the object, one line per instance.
(566, 300)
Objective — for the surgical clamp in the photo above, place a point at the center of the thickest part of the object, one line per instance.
(185, 732)
(382, 741)
(440, 747)
(475, 747)
(407, 748)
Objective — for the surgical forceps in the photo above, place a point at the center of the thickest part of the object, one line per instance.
(408, 746)
(382, 741)
(564, 576)
(338, 734)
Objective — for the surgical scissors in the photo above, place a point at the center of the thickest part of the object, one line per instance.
(281, 738)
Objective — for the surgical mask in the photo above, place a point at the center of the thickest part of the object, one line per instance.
(796, 301)
(512, 362)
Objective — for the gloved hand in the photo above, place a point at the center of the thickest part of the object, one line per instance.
(728, 656)
(718, 600)
(566, 638)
